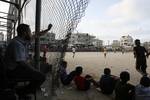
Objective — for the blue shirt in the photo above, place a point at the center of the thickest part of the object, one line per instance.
(63, 73)
(142, 91)
(107, 84)
(16, 51)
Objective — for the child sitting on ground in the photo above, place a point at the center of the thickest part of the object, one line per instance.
(124, 90)
(142, 90)
(83, 83)
(107, 82)
(64, 77)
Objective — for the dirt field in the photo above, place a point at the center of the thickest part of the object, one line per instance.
(94, 63)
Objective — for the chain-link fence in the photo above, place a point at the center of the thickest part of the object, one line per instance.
(64, 15)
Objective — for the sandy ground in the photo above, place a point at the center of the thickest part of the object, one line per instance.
(67, 93)
(95, 62)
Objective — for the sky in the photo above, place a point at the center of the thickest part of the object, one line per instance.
(110, 19)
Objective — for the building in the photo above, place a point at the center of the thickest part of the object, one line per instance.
(48, 38)
(147, 45)
(81, 40)
(98, 43)
(126, 42)
(46, 41)
(116, 44)
(2, 42)
(1, 36)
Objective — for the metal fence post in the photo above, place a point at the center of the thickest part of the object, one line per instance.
(37, 30)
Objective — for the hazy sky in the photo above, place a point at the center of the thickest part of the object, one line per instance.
(110, 19)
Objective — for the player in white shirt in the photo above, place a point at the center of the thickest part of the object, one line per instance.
(73, 51)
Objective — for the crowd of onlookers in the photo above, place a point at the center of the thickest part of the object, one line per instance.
(108, 84)
(17, 64)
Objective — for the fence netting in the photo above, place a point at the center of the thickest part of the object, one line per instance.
(64, 15)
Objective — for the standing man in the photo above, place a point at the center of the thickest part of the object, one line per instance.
(73, 51)
(17, 57)
(140, 53)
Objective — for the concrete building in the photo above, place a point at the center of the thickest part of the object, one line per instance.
(147, 45)
(81, 40)
(116, 44)
(46, 41)
(48, 38)
(126, 43)
(98, 43)
(1, 36)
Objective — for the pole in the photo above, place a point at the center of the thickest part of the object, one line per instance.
(37, 30)
(19, 11)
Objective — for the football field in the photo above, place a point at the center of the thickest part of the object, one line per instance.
(94, 63)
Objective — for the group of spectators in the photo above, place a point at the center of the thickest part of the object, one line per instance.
(108, 84)
(17, 66)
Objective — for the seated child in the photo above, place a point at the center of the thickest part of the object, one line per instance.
(83, 83)
(124, 90)
(107, 82)
(142, 90)
(64, 77)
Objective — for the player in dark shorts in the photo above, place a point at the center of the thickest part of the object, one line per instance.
(140, 53)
